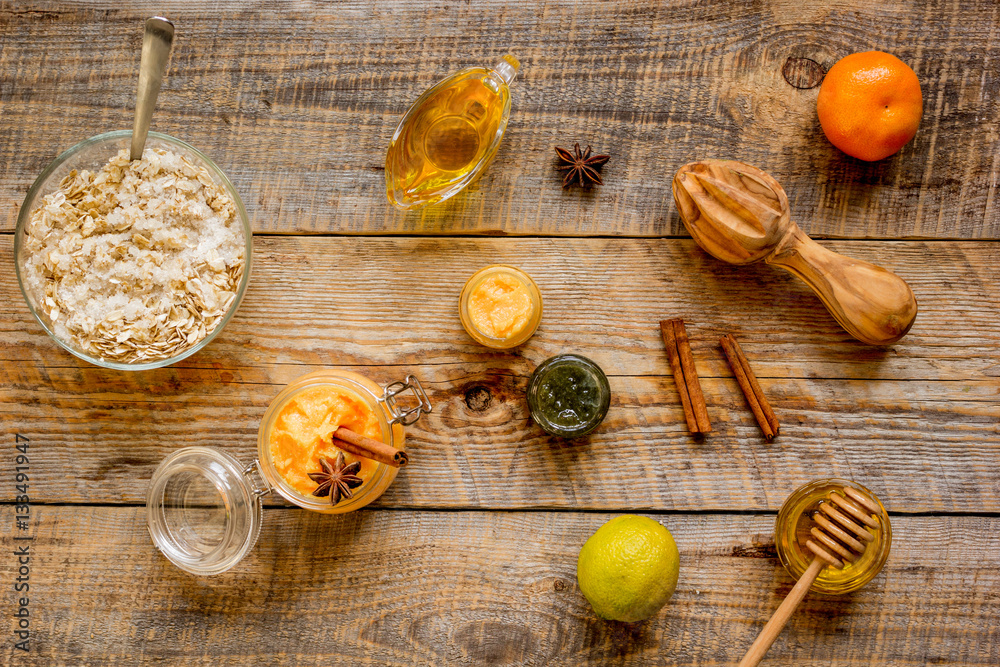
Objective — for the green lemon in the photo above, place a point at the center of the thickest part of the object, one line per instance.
(628, 569)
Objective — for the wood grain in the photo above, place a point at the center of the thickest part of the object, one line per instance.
(917, 422)
(393, 303)
(297, 101)
(392, 588)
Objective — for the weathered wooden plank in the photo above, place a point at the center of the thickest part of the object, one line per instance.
(297, 102)
(391, 588)
(393, 302)
(917, 422)
(919, 448)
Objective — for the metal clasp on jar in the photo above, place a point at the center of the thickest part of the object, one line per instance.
(400, 414)
(255, 479)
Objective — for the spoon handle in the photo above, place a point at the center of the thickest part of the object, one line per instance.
(156, 42)
(874, 305)
(781, 615)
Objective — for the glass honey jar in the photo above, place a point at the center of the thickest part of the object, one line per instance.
(204, 508)
(792, 530)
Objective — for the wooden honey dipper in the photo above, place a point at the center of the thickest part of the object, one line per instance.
(834, 546)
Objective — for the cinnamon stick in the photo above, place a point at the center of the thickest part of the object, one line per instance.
(685, 376)
(750, 387)
(772, 419)
(667, 331)
(691, 377)
(369, 448)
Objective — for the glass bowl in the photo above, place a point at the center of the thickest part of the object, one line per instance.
(93, 154)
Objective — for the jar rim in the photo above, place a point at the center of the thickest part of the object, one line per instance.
(281, 486)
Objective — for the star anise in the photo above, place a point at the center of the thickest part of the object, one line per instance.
(582, 166)
(337, 479)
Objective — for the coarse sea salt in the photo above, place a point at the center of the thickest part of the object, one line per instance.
(138, 261)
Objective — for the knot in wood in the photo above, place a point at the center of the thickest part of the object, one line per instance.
(478, 399)
(803, 73)
(755, 551)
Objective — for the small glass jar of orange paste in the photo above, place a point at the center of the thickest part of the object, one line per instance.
(204, 507)
(500, 306)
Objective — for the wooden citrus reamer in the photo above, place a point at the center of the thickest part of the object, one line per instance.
(838, 516)
(739, 214)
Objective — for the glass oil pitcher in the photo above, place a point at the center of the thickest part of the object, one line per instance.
(449, 136)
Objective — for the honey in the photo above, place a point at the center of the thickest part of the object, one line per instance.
(791, 531)
(449, 135)
(500, 306)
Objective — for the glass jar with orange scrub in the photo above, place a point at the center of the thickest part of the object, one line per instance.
(204, 507)
(296, 433)
(500, 306)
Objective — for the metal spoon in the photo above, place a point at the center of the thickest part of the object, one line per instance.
(156, 43)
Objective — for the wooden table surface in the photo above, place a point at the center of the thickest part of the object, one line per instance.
(470, 557)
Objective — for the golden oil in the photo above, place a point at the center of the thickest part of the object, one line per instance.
(792, 530)
(449, 135)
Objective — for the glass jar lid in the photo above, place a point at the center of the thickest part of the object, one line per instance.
(204, 510)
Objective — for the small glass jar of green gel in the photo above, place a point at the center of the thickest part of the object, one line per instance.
(568, 395)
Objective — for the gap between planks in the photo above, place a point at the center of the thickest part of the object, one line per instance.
(536, 510)
(607, 237)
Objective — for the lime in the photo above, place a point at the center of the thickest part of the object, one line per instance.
(628, 569)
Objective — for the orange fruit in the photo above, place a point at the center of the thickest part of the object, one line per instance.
(870, 105)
